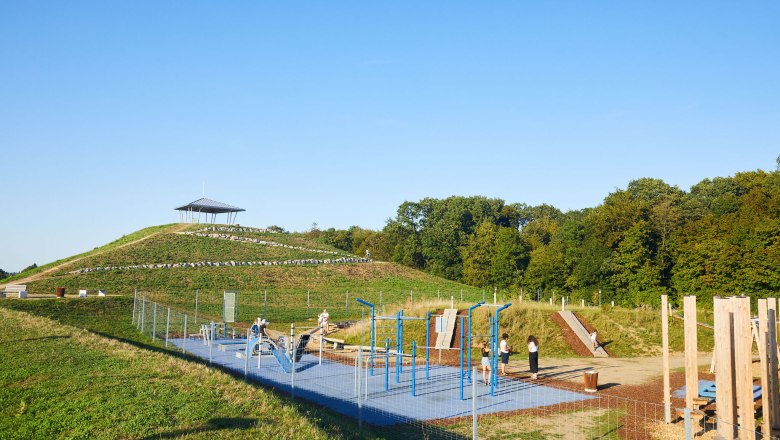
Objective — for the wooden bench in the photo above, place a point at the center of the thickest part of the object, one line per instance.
(20, 290)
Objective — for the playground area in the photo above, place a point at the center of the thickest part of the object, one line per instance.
(394, 377)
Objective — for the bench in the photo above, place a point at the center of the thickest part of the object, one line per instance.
(337, 343)
(19, 290)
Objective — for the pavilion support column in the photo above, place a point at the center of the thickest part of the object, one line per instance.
(665, 348)
(763, 343)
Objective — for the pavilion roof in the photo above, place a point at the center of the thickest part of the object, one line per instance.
(209, 206)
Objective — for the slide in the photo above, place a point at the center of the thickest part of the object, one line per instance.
(576, 326)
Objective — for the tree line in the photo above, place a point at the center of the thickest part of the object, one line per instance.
(720, 238)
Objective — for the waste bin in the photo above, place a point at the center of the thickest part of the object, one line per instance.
(59, 292)
(591, 381)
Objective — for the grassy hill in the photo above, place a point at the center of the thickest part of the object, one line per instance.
(285, 286)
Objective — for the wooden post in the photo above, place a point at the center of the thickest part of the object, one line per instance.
(766, 397)
(743, 354)
(771, 327)
(691, 348)
(665, 346)
(725, 399)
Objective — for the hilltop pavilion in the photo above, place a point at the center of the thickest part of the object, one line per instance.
(192, 211)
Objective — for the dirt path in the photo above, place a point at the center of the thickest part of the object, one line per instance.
(45, 273)
(613, 371)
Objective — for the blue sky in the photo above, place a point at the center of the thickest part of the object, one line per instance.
(114, 113)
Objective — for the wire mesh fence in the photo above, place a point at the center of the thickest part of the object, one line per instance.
(410, 395)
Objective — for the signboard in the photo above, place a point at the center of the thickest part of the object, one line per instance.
(229, 306)
(441, 324)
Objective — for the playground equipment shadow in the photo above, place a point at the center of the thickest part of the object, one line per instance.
(332, 384)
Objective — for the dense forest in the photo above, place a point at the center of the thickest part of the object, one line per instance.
(720, 238)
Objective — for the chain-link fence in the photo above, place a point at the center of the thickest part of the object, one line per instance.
(401, 394)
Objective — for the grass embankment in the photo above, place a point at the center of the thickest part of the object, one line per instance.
(125, 239)
(179, 248)
(61, 381)
(625, 332)
(286, 288)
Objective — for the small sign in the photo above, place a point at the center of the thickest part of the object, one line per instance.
(230, 300)
(82, 293)
(441, 324)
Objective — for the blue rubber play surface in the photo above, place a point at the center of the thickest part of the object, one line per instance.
(707, 389)
(332, 384)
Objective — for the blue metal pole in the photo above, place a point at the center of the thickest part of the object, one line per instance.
(498, 328)
(493, 356)
(469, 356)
(401, 332)
(427, 342)
(387, 363)
(397, 346)
(460, 371)
(373, 335)
(414, 370)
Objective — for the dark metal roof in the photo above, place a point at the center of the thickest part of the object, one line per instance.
(209, 206)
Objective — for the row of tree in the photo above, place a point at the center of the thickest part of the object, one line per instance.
(721, 237)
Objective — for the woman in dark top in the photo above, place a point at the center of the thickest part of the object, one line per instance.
(533, 355)
(485, 362)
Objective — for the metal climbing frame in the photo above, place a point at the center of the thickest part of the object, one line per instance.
(399, 319)
(494, 342)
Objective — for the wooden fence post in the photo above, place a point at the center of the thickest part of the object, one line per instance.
(665, 347)
(724, 377)
(691, 348)
(743, 351)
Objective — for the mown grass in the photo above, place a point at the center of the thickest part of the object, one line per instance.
(59, 381)
(77, 368)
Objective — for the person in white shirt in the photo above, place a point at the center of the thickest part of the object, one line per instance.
(594, 341)
(322, 321)
(533, 355)
(503, 350)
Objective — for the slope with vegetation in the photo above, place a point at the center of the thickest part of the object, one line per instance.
(721, 237)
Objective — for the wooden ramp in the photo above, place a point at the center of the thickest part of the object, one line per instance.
(576, 326)
(444, 340)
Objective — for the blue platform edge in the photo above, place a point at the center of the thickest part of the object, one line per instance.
(707, 389)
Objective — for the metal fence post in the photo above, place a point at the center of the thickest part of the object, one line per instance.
(308, 302)
(688, 433)
(154, 321)
(184, 341)
(167, 327)
(197, 291)
(135, 299)
(294, 349)
(143, 311)
(474, 406)
(265, 298)
(359, 400)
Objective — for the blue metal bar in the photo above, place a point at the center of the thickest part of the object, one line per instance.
(469, 356)
(387, 363)
(397, 347)
(414, 370)
(401, 338)
(373, 335)
(498, 328)
(493, 356)
(460, 371)
(427, 342)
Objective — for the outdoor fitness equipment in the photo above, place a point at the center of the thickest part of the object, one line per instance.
(494, 336)
(399, 319)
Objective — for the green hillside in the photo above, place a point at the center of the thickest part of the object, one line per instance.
(286, 285)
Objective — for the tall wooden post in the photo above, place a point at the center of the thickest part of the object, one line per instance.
(743, 354)
(691, 348)
(766, 397)
(771, 327)
(725, 399)
(665, 346)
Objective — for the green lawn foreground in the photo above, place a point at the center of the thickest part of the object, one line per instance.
(60, 381)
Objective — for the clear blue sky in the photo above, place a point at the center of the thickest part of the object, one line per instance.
(114, 113)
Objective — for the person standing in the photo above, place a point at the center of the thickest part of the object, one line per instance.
(594, 340)
(322, 321)
(503, 350)
(533, 356)
(485, 362)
